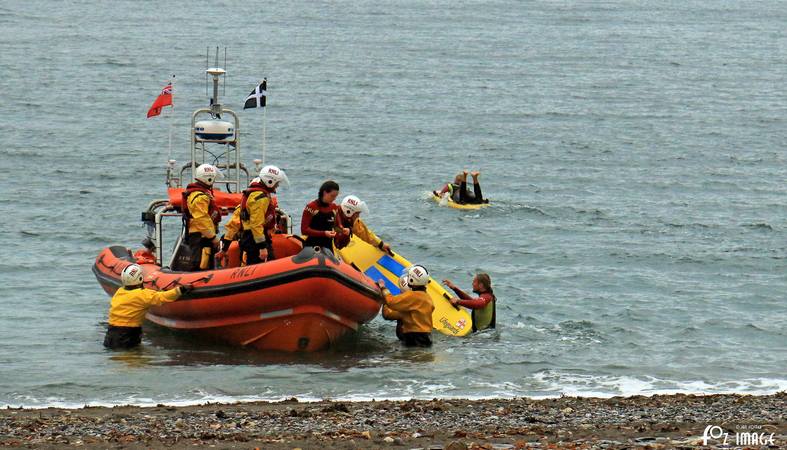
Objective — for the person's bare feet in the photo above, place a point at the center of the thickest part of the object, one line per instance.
(475, 174)
(464, 175)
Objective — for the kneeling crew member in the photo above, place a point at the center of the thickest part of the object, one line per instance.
(258, 216)
(350, 211)
(129, 305)
(414, 308)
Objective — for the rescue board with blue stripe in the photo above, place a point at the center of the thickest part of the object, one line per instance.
(391, 265)
(375, 274)
(378, 265)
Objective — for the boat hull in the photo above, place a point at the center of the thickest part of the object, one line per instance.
(301, 303)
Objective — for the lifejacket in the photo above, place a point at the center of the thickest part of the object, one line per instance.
(270, 212)
(322, 221)
(454, 190)
(343, 240)
(215, 213)
(144, 256)
(486, 316)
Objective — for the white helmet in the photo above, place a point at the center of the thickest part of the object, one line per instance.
(352, 204)
(206, 173)
(417, 276)
(403, 283)
(270, 175)
(254, 181)
(131, 276)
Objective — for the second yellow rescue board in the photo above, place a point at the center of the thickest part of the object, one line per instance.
(378, 265)
(452, 204)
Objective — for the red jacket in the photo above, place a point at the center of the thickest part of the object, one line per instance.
(314, 208)
(467, 301)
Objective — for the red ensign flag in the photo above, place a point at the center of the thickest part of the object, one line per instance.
(164, 99)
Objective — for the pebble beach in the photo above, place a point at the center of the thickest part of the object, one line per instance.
(655, 422)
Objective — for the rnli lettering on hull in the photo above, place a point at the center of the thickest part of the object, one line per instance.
(243, 272)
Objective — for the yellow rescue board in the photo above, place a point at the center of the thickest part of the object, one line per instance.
(452, 204)
(377, 264)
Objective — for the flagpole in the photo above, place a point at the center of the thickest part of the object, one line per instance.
(264, 82)
(264, 131)
(171, 118)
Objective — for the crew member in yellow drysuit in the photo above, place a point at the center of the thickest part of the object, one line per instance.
(129, 305)
(258, 216)
(412, 307)
(350, 211)
(202, 218)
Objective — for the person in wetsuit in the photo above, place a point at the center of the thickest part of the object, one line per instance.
(128, 307)
(320, 218)
(258, 216)
(412, 307)
(459, 192)
(483, 307)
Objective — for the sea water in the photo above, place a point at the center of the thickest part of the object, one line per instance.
(634, 153)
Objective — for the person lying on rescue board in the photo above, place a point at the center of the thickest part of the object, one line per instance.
(483, 307)
(459, 193)
(413, 308)
(320, 218)
(258, 216)
(350, 211)
(128, 307)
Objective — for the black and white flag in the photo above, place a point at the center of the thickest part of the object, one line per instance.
(257, 97)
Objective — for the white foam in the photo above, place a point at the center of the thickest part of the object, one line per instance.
(541, 385)
(604, 386)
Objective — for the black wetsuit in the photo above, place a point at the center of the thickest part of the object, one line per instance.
(462, 195)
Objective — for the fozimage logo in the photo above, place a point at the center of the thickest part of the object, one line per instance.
(754, 437)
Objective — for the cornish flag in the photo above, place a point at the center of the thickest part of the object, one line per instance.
(163, 99)
(257, 97)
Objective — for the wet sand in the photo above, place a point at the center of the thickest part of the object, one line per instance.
(663, 421)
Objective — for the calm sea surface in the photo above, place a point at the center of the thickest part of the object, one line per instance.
(635, 153)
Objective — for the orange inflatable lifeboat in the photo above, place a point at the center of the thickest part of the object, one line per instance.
(303, 301)
(297, 303)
